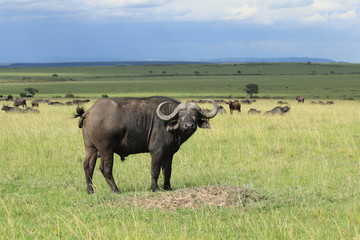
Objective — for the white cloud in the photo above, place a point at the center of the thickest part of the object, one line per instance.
(242, 12)
(317, 17)
(326, 5)
(351, 14)
(275, 4)
(348, 15)
(258, 11)
(123, 3)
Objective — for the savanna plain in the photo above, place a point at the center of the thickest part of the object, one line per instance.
(294, 176)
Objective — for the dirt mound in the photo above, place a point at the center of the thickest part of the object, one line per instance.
(222, 196)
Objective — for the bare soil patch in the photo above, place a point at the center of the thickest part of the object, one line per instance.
(221, 196)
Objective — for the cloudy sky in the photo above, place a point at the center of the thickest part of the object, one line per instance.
(96, 30)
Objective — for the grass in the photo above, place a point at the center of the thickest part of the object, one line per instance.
(286, 80)
(306, 163)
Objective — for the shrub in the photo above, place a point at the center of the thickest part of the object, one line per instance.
(69, 95)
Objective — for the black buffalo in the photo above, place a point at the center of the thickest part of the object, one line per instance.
(158, 125)
(221, 110)
(300, 99)
(253, 111)
(77, 101)
(246, 101)
(8, 109)
(20, 102)
(31, 110)
(278, 110)
(234, 106)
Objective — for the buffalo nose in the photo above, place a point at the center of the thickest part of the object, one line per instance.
(189, 125)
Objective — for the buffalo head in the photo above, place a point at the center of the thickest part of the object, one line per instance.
(187, 117)
(285, 109)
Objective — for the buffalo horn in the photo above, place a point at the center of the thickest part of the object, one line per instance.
(212, 113)
(171, 115)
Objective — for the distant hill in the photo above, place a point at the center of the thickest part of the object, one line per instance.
(156, 62)
(274, 60)
(89, 64)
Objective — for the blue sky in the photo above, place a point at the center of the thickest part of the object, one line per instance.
(96, 30)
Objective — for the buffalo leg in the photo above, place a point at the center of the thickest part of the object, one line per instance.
(166, 167)
(106, 167)
(89, 165)
(155, 171)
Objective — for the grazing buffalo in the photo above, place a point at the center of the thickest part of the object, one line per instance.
(253, 111)
(8, 109)
(300, 99)
(278, 110)
(9, 98)
(42, 100)
(77, 101)
(20, 102)
(31, 110)
(235, 105)
(221, 110)
(246, 101)
(158, 125)
(35, 103)
(322, 102)
(282, 102)
(55, 103)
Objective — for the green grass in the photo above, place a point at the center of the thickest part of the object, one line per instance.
(306, 163)
(287, 80)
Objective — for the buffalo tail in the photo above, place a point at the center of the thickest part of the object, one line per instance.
(80, 113)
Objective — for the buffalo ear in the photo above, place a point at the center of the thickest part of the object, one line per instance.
(172, 125)
(203, 124)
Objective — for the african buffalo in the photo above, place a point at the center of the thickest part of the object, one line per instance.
(9, 98)
(282, 102)
(158, 125)
(253, 111)
(20, 102)
(246, 101)
(55, 103)
(235, 105)
(8, 109)
(221, 110)
(35, 103)
(278, 110)
(77, 101)
(31, 110)
(300, 99)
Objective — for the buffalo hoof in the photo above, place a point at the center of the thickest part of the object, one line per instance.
(167, 188)
(90, 190)
(154, 189)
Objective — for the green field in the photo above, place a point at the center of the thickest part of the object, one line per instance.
(297, 175)
(327, 81)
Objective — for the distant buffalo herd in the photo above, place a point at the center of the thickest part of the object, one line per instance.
(233, 105)
(21, 102)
